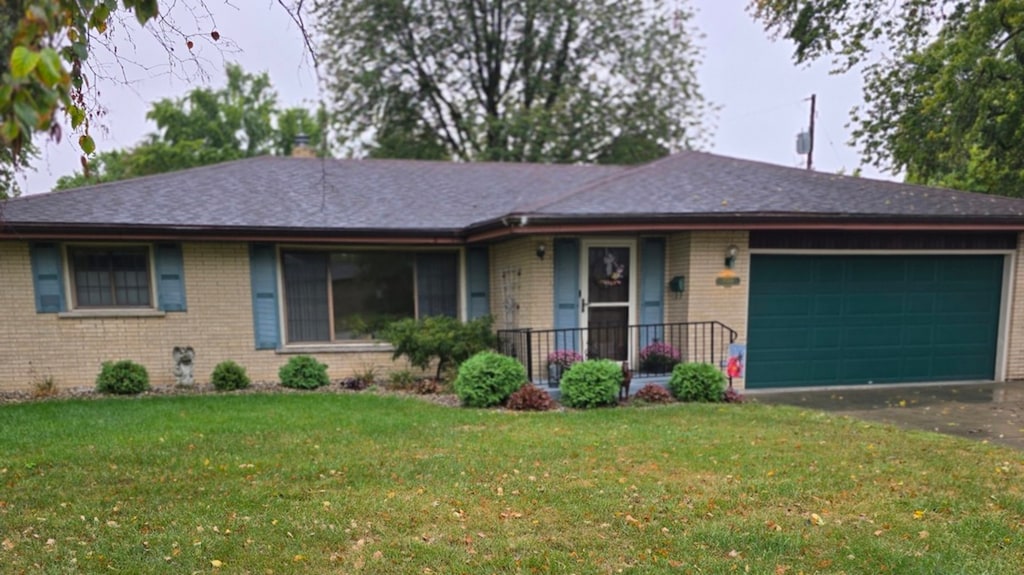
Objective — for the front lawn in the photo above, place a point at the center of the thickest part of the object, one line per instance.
(349, 483)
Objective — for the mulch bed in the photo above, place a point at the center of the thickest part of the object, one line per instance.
(23, 396)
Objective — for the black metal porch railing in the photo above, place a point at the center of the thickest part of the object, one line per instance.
(650, 349)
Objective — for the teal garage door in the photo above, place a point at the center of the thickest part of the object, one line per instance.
(846, 320)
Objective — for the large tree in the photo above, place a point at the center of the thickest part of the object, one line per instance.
(45, 73)
(512, 80)
(207, 126)
(943, 82)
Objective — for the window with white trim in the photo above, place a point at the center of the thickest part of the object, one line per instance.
(353, 294)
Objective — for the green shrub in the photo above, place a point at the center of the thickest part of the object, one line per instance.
(228, 376)
(529, 397)
(488, 379)
(303, 372)
(652, 393)
(697, 382)
(123, 377)
(444, 340)
(401, 380)
(592, 383)
(361, 380)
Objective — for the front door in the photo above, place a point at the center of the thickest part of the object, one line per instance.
(608, 282)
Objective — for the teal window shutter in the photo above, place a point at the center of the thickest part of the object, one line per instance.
(652, 290)
(170, 278)
(478, 282)
(263, 273)
(567, 292)
(48, 277)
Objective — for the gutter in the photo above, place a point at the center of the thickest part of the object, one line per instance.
(569, 225)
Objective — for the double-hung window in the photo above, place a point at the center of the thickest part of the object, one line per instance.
(352, 295)
(110, 276)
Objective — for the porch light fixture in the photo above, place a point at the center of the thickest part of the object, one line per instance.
(730, 255)
(541, 250)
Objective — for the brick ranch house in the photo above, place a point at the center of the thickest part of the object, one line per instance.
(814, 279)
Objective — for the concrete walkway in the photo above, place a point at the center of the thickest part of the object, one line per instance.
(982, 411)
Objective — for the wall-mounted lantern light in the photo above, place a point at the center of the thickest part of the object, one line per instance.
(541, 250)
(730, 256)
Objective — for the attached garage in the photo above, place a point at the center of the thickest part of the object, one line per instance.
(839, 319)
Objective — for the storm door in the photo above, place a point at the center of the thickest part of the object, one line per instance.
(608, 283)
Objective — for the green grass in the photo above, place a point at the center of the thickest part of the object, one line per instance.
(351, 483)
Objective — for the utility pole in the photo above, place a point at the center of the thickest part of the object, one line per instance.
(810, 148)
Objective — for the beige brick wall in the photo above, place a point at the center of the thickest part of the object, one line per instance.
(709, 301)
(1014, 345)
(677, 263)
(218, 324)
(522, 287)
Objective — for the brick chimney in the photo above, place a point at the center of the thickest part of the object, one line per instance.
(301, 148)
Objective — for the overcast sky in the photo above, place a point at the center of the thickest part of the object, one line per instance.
(762, 97)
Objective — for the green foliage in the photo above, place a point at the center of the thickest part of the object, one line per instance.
(228, 376)
(303, 372)
(529, 397)
(205, 127)
(444, 340)
(943, 83)
(513, 80)
(308, 462)
(697, 382)
(401, 379)
(361, 379)
(43, 48)
(652, 393)
(591, 383)
(488, 379)
(124, 377)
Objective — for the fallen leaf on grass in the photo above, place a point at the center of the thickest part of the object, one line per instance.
(816, 519)
(217, 563)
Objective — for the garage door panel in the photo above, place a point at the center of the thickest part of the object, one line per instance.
(874, 303)
(786, 339)
(872, 318)
(824, 338)
(784, 306)
(828, 305)
(918, 335)
(872, 336)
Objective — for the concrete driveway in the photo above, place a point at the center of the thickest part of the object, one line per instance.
(982, 411)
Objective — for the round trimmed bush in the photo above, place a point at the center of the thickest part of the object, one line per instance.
(697, 382)
(303, 372)
(124, 377)
(591, 383)
(228, 376)
(488, 379)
